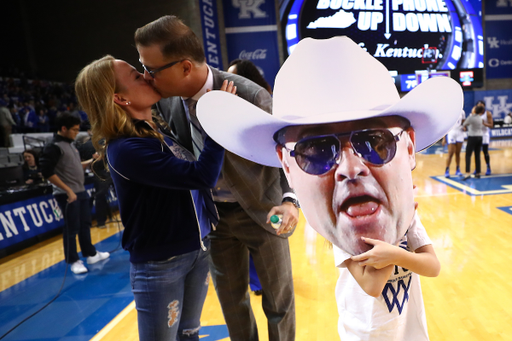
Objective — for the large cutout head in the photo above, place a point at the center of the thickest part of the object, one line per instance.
(343, 136)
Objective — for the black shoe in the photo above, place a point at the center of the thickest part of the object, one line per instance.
(477, 176)
(466, 177)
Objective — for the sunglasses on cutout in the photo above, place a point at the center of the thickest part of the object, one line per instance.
(317, 155)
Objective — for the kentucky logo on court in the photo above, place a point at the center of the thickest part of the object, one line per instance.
(488, 185)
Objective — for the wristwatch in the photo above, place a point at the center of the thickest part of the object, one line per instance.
(295, 202)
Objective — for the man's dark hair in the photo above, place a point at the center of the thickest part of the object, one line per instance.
(66, 119)
(480, 102)
(479, 110)
(247, 69)
(176, 40)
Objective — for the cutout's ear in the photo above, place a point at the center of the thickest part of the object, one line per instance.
(120, 99)
(283, 157)
(411, 147)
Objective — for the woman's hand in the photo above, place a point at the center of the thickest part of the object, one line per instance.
(227, 86)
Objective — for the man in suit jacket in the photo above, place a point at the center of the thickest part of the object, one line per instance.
(246, 195)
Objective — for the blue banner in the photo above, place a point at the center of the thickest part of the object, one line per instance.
(499, 48)
(28, 218)
(497, 7)
(501, 132)
(498, 23)
(498, 102)
(211, 36)
(251, 33)
(243, 13)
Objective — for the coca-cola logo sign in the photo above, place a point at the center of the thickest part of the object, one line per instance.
(253, 55)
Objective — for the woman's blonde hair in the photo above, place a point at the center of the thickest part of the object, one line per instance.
(95, 87)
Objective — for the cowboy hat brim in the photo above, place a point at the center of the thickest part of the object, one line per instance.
(242, 128)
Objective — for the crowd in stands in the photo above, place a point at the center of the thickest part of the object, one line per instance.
(34, 104)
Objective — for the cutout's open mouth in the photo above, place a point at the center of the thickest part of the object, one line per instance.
(360, 206)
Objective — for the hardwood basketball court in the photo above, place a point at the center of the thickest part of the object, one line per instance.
(470, 224)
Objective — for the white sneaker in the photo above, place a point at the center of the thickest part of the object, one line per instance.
(78, 267)
(97, 257)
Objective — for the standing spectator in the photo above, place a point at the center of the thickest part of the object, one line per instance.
(486, 134)
(61, 165)
(474, 125)
(18, 126)
(246, 195)
(43, 123)
(508, 118)
(247, 69)
(455, 138)
(102, 181)
(52, 114)
(29, 119)
(6, 123)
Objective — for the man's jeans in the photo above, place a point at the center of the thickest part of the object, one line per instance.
(169, 295)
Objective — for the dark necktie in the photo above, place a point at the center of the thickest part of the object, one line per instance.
(184, 154)
(195, 127)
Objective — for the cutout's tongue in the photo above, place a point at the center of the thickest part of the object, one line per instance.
(361, 209)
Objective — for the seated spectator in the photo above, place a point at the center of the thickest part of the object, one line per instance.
(31, 172)
(508, 118)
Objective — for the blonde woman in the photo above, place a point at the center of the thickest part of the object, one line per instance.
(164, 198)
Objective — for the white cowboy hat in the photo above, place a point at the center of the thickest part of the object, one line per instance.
(326, 81)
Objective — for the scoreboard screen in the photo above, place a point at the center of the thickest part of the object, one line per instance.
(407, 36)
